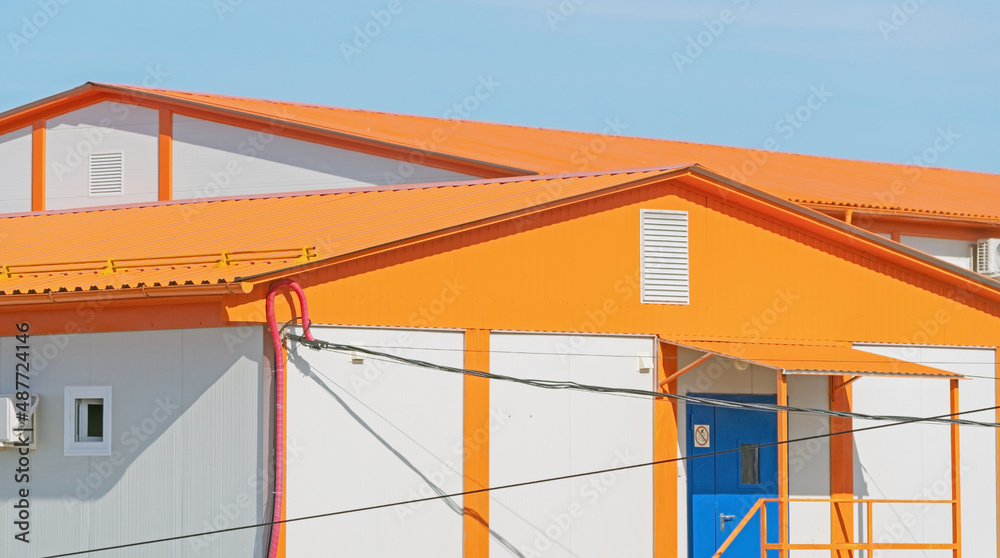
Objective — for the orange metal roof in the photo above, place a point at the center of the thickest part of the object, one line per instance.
(833, 358)
(817, 181)
(178, 243)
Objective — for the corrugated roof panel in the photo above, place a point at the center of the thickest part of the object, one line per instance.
(799, 178)
(186, 242)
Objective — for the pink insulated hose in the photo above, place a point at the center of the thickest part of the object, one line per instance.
(279, 399)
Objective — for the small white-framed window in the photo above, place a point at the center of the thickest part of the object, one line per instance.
(87, 417)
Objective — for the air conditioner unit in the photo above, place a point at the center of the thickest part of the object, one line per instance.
(988, 257)
(11, 427)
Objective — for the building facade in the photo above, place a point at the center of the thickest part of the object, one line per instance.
(260, 318)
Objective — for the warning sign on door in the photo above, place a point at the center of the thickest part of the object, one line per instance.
(702, 439)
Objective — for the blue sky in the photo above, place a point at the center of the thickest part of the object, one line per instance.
(894, 74)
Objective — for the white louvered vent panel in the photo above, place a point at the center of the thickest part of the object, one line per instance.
(107, 171)
(988, 256)
(665, 257)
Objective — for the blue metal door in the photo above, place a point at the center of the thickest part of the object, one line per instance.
(722, 488)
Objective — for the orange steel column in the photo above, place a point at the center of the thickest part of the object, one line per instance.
(477, 445)
(665, 522)
(997, 413)
(956, 489)
(782, 462)
(841, 467)
(38, 166)
(166, 155)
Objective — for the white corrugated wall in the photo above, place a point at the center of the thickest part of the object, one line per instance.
(15, 167)
(212, 160)
(372, 432)
(546, 433)
(913, 461)
(105, 127)
(186, 444)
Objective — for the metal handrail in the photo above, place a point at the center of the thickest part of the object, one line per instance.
(221, 259)
(761, 505)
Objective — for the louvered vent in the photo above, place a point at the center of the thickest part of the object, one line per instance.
(665, 257)
(988, 256)
(107, 171)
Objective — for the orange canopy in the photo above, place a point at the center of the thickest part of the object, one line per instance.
(833, 358)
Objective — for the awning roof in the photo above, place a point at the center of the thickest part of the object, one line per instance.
(832, 358)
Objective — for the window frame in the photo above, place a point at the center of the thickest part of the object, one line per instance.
(76, 412)
(743, 446)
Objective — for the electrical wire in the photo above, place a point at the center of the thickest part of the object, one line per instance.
(930, 363)
(518, 484)
(553, 384)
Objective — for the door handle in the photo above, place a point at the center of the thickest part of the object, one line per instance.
(723, 518)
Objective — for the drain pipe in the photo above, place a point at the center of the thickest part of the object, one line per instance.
(279, 401)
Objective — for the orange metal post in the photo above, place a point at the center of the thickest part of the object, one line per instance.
(782, 463)
(763, 531)
(665, 522)
(166, 155)
(956, 489)
(997, 413)
(841, 467)
(869, 522)
(38, 166)
(477, 445)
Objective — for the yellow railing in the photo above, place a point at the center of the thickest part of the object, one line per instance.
(869, 544)
(112, 265)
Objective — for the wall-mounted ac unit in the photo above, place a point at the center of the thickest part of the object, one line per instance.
(12, 429)
(988, 257)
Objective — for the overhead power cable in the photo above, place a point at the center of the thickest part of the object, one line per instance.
(553, 384)
(515, 485)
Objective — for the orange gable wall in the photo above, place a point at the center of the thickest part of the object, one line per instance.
(576, 269)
